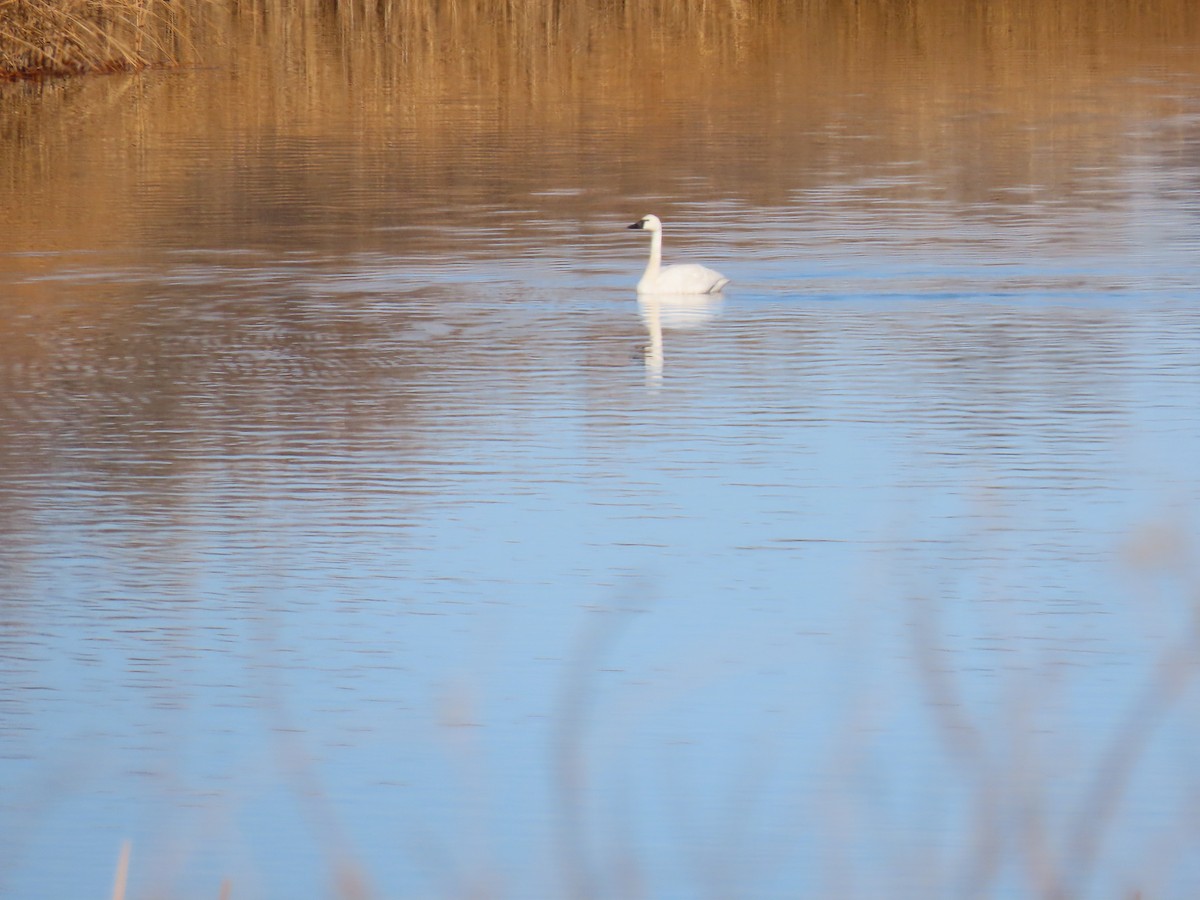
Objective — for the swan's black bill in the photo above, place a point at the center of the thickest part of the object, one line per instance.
(639, 224)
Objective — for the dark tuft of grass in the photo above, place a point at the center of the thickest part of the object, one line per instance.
(62, 37)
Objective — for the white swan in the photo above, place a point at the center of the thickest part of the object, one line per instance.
(688, 278)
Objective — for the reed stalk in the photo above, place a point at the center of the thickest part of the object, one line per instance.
(121, 878)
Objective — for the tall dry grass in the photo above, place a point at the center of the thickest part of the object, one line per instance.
(59, 37)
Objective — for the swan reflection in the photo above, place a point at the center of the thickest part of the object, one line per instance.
(673, 312)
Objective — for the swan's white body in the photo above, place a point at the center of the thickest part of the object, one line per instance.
(687, 278)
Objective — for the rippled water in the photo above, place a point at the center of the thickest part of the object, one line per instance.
(360, 524)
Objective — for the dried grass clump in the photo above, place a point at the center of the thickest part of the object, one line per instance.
(60, 37)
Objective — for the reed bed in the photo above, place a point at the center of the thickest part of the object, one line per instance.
(61, 37)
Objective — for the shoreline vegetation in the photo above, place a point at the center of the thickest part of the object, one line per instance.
(52, 38)
(40, 38)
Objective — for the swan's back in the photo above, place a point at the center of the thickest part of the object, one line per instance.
(683, 278)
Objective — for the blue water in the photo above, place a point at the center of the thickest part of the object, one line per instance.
(422, 572)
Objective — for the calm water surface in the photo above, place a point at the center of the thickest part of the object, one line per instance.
(359, 525)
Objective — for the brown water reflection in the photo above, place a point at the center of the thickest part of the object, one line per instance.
(1009, 102)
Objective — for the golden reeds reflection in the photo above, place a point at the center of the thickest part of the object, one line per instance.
(758, 101)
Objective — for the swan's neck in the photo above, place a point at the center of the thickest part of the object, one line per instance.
(655, 263)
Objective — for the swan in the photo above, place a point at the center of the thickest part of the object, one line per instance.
(688, 278)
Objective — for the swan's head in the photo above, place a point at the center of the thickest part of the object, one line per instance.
(647, 223)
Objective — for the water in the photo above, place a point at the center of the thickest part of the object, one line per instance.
(362, 530)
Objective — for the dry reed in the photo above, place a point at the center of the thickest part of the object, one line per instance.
(121, 878)
(59, 37)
